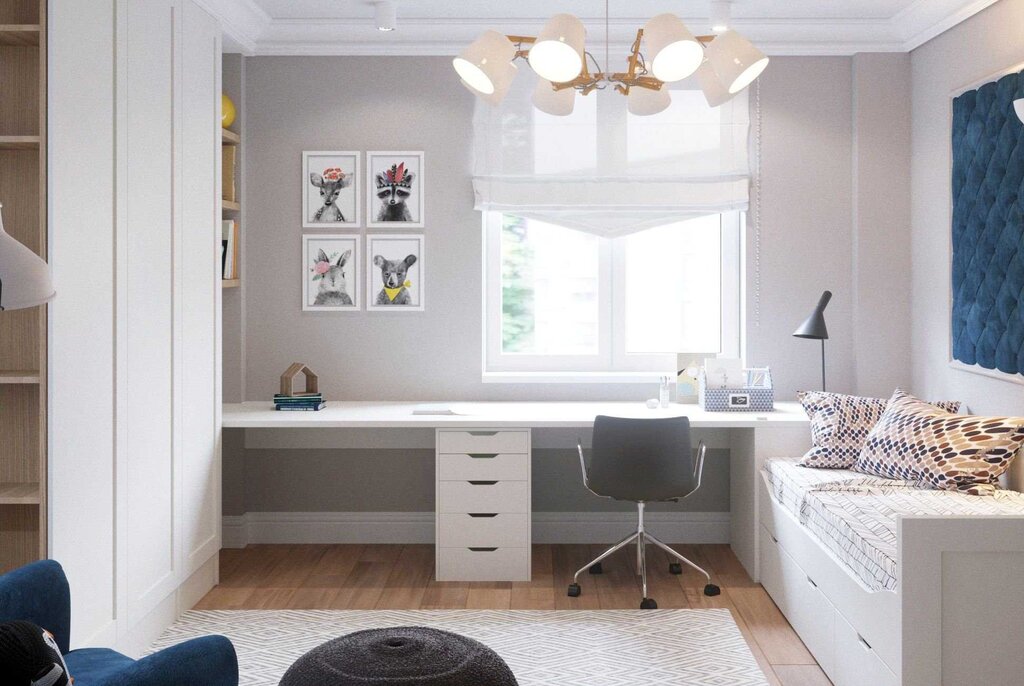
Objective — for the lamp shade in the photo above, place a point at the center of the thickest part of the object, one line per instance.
(714, 91)
(814, 326)
(550, 101)
(673, 50)
(503, 79)
(736, 60)
(557, 54)
(1018, 106)
(644, 102)
(25, 279)
(484, 62)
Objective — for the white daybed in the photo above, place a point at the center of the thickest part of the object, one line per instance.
(889, 584)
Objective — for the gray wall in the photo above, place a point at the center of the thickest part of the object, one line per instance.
(984, 45)
(815, 228)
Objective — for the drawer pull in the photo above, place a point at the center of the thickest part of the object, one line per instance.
(483, 456)
(481, 550)
(811, 582)
(482, 514)
(482, 433)
(864, 644)
(481, 483)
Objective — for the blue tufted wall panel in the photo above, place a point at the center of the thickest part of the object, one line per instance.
(988, 227)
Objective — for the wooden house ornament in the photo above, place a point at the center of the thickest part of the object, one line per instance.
(288, 379)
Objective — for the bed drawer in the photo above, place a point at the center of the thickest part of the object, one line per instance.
(472, 441)
(485, 466)
(800, 599)
(483, 496)
(856, 662)
(483, 529)
(483, 564)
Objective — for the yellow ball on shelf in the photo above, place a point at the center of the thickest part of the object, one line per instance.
(227, 111)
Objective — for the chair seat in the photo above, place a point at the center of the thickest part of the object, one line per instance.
(95, 666)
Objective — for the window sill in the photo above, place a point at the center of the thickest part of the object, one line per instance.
(573, 377)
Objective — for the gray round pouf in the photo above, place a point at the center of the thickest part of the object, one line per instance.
(409, 655)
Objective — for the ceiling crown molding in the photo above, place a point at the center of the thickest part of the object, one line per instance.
(252, 31)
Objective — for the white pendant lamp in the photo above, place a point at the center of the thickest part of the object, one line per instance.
(560, 103)
(484, 63)
(24, 277)
(557, 54)
(1018, 106)
(714, 92)
(502, 83)
(736, 61)
(644, 102)
(673, 50)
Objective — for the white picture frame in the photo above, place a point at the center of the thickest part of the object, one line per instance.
(316, 287)
(347, 201)
(380, 162)
(408, 293)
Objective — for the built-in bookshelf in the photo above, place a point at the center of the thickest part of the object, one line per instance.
(232, 209)
(23, 332)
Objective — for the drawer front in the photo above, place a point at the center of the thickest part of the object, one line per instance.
(483, 564)
(467, 531)
(800, 599)
(483, 466)
(483, 496)
(856, 662)
(471, 441)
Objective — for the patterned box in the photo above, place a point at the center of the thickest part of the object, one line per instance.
(756, 396)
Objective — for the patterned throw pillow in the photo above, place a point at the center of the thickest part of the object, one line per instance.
(920, 442)
(840, 425)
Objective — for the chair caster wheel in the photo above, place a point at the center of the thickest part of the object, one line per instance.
(648, 604)
(596, 569)
(675, 568)
(711, 589)
(574, 590)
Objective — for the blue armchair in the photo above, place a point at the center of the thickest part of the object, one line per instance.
(39, 593)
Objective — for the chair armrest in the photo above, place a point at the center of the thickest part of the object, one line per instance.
(698, 465)
(583, 462)
(209, 660)
(38, 593)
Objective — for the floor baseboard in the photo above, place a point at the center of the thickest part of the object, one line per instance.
(418, 527)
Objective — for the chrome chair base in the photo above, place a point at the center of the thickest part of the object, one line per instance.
(642, 538)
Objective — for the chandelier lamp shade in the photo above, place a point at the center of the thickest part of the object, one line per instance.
(664, 51)
(25, 279)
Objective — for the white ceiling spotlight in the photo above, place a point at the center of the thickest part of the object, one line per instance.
(385, 15)
(725, 64)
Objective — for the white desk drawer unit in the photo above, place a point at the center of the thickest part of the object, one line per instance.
(483, 505)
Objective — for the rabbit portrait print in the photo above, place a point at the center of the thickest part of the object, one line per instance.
(394, 273)
(394, 190)
(331, 273)
(330, 189)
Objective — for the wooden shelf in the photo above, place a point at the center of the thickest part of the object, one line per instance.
(20, 494)
(231, 206)
(19, 377)
(19, 142)
(229, 137)
(22, 35)
(230, 283)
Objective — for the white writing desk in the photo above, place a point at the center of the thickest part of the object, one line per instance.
(753, 436)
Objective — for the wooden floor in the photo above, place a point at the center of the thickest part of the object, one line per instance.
(368, 577)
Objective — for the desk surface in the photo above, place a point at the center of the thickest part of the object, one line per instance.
(381, 414)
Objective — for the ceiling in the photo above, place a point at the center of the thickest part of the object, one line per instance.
(442, 27)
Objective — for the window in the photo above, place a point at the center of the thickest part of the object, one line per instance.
(563, 301)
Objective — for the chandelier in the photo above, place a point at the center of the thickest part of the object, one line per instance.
(664, 51)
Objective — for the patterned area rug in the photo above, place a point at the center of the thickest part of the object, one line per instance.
(556, 648)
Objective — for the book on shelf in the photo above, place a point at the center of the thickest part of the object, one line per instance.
(230, 242)
(301, 408)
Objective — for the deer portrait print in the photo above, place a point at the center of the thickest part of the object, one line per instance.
(330, 183)
(394, 186)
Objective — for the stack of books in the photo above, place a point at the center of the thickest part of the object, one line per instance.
(304, 402)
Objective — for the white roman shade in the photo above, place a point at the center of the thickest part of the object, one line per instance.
(606, 171)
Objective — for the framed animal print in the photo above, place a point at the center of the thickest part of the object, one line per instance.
(331, 277)
(394, 273)
(395, 190)
(330, 189)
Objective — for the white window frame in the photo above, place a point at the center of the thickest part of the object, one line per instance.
(611, 363)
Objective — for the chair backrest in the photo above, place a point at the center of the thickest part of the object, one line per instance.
(38, 593)
(642, 459)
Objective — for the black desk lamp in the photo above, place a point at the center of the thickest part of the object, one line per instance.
(814, 328)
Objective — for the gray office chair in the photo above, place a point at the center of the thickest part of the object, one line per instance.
(643, 461)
